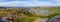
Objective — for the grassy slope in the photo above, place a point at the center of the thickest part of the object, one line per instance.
(31, 17)
(55, 10)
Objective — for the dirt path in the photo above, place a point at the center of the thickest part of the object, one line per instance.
(41, 20)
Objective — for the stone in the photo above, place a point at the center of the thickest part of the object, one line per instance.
(54, 19)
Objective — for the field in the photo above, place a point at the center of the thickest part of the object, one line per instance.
(21, 15)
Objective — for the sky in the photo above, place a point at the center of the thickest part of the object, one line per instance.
(29, 2)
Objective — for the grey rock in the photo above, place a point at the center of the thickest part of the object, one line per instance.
(54, 19)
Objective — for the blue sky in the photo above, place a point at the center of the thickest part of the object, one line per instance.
(29, 2)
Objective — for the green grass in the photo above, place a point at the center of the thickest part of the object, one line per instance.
(31, 17)
(57, 11)
(23, 17)
(26, 19)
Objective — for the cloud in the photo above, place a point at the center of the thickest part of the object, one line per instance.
(6, 0)
(17, 3)
(47, 3)
(28, 3)
(58, 1)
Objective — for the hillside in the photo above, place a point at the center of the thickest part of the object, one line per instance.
(30, 14)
